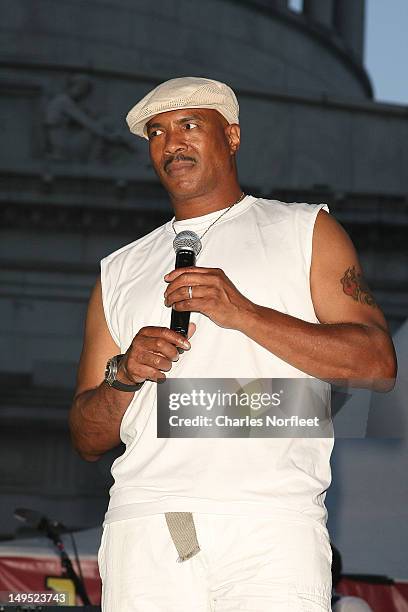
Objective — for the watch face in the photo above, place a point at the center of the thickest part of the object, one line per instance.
(110, 372)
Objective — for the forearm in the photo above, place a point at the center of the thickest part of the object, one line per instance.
(349, 351)
(95, 419)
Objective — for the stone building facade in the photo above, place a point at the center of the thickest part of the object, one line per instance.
(76, 185)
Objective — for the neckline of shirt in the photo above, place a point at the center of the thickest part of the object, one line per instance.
(205, 220)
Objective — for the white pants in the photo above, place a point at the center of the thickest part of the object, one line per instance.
(245, 564)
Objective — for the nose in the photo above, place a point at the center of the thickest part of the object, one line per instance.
(174, 142)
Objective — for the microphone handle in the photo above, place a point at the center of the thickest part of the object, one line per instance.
(180, 320)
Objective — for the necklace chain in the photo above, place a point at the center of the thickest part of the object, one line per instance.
(241, 197)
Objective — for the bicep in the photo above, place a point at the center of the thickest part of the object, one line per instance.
(98, 345)
(339, 291)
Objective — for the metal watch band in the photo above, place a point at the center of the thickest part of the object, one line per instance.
(110, 376)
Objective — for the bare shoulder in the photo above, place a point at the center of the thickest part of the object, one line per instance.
(339, 290)
(326, 230)
(98, 345)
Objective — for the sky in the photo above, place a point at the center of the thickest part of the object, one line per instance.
(386, 48)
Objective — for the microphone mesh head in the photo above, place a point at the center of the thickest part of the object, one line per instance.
(187, 240)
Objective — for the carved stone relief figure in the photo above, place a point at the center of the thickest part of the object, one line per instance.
(73, 131)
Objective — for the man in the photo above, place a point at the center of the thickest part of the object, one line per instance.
(277, 292)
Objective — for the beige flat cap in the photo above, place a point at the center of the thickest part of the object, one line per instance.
(184, 92)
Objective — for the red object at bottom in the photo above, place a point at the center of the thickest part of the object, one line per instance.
(27, 574)
(381, 597)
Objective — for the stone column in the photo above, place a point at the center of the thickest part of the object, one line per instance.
(349, 22)
(320, 11)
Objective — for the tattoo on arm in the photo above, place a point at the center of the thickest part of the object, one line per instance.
(355, 286)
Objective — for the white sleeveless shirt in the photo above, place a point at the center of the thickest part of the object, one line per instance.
(264, 247)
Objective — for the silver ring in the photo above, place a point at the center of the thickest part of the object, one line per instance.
(190, 293)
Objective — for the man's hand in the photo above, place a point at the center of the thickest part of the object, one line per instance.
(213, 294)
(97, 410)
(152, 353)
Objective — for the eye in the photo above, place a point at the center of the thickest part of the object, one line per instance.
(154, 133)
(190, 126)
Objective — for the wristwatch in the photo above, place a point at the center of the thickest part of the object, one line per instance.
(111, 373)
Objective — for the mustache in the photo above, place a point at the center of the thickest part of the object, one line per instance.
(178, 157)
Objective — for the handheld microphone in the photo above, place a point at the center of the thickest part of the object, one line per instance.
(187, 246)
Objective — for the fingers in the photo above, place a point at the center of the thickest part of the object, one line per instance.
(176, 297)
(152, 353)
(137, 372)
(165, 334)
(145, 364)
(188, 277)
(193, 276)
(194, 269)
(161, 347)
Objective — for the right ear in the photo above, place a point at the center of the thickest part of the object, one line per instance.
(233, 133)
